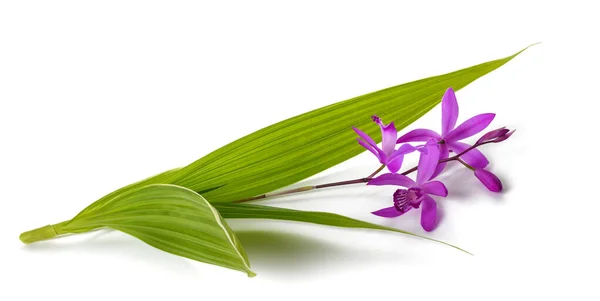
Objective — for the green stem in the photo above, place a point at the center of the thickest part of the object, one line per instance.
(465, 164)
(377, 171)
(43, 233)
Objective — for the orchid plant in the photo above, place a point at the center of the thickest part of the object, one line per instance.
(183, 211)
(433, 159)
(434, 155)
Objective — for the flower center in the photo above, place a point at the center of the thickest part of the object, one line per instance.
(406, 199)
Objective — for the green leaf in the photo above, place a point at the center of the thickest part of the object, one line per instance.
(168, 217)
(157, 179)
(235, 210)
(299, 147)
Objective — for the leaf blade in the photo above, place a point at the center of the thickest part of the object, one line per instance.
(235, 210)
(171, 218)
(302, 146)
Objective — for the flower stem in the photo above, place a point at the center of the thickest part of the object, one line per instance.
(465, 164)
(307, 188)
(361, 180)
(377, 171)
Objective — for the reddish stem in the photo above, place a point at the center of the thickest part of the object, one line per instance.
(358, 181)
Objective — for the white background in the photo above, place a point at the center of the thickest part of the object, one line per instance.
(95, 95)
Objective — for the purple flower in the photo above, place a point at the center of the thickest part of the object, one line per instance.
(416, 193)
(451, 135)
(489, 180)
(387, 154)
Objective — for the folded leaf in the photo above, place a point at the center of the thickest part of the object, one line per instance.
(157, 179)
(299, 147)
(168, 217)
(235, 210)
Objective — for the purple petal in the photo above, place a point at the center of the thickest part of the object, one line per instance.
(428, 213)
(373, 149)
(492, 135)
(428, 163)
(489, 180)
(367, 146)
(387, 212)
(392, 179)
(395, 165)
(435, 187)
(470, 127)
(365, 137)
(449, 111)
(419, 135)
(444, 153)
(473, 157)
(388, 138)
(403, 150)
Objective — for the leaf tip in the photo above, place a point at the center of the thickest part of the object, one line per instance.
(514, 55)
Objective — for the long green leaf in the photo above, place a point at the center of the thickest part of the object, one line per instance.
(171, 218)
(234, 210)
(299, 147)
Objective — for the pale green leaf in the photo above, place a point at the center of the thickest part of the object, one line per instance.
(299, 147)
(157, 179)
(234, 210)
(171, 218)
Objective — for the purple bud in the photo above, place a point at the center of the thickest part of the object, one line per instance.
(497, 135)
(504, 137)
(489, 180)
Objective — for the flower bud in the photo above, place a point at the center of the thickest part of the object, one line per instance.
(495, 136)
(489, 180)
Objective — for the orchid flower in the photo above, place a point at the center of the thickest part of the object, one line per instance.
(387, 154)
(416, 193)
(449, 140)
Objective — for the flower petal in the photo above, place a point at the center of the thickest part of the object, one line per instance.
(470, 127)
(373, 149)
(367, 146)
(365, 137)
(387, 212)
(379, 152)
(449, 111)
(489, 180)
(403, 150)
(394, 162)
(394, 166)
(473, 157)
(435, 187)
(444, 153)
(428, 163)
(388, 135)
(388, 138)
(428, 213)
(392, 179)
(419, 135)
